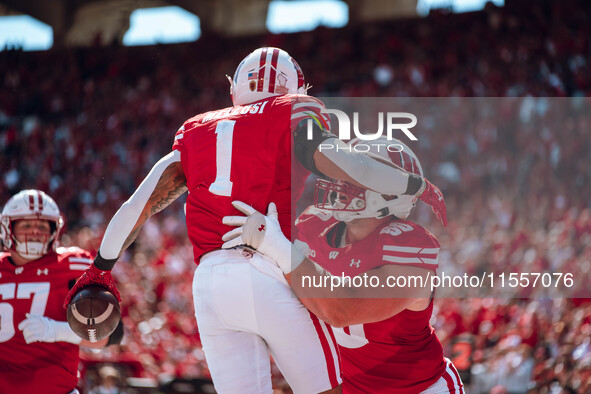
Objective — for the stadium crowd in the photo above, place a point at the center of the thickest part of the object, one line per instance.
(86, 125)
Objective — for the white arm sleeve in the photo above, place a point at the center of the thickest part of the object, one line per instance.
(368, 172)
(126, 217)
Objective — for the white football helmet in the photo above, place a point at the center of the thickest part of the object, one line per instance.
(348, 202)
(30, 204)
(266, 72)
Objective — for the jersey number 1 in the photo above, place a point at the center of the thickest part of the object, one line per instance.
(222, 186)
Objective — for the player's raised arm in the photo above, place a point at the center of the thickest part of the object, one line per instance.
(164, 184)
(324, 154)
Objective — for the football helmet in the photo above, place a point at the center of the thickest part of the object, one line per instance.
(266, 72)
(348, 202)
(30, 204)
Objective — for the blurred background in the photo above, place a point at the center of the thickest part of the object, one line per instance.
(92, 93)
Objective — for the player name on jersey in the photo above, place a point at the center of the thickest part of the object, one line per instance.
(256, 108)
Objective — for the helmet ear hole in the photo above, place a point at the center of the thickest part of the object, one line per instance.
(383, 212)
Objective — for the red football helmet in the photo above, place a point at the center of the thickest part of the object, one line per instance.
(348, 202)
(30, 204)
(266, 72)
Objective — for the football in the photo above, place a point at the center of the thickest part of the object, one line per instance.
(94, 313)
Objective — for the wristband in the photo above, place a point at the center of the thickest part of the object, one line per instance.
(102, 263)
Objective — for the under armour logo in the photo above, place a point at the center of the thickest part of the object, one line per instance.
(333, 255)
(262, 228)
(439, 195)
(42, 271)
(355, 263)
(248, 253)
(19, 270)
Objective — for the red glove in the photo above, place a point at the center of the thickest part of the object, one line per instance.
(93, 276)
(433, 197)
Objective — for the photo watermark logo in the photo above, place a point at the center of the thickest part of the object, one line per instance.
(392, 124)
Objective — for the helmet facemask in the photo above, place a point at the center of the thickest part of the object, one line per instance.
(348, 202)
(33, 246)
(339, 197)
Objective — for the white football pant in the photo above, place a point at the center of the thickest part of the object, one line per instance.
(244, 310)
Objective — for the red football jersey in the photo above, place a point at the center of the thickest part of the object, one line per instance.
(241, 153)
(38, 287)
(401, 354)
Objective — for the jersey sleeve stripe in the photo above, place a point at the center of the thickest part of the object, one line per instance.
(84, 260)
(407, 249)
(300, 115)
(303, 115)
(307, 105)
(417, 255)
(321, 120)
(409, 260)
(79, 267)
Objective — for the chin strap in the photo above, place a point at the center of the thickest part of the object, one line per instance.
(31, 250)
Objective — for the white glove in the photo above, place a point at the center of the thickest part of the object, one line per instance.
(37, 328)
(262, 233)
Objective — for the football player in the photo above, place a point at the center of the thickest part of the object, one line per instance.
(39, 350)
(251, 151)
(383, 333)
